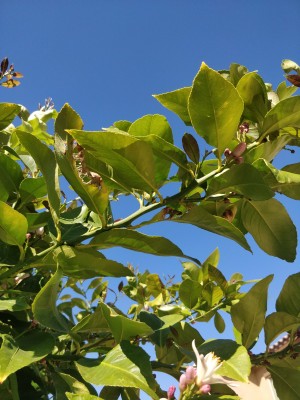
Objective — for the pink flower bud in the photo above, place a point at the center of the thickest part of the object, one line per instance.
(205, 388)
(182, 383)
(28, 236)
(239, 160)
(171, 392)
(190, 375)
(227, 153)
(239, 149)
(39, 231)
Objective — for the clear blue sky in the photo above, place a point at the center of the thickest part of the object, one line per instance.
(106, 58)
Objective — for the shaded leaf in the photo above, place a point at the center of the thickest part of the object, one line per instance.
(44, 306)
(244, 179)
(253, 91)
(199, 217)
(191, 147)
(272, 228)
(46, 162)
(286, 382)
(136, 241)
(8, 112)
(32, 189)
(215, 108)
(248, 315)
(122, 327)
(189, 292)
(11, 177)
(289, 298)
(277, 323)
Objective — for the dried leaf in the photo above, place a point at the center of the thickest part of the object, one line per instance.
(4, 64)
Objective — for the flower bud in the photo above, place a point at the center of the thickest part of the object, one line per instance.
(205, 388)
(190, 375)
(239, 149)
(239, 160)
(227, 153)
(39, 231)
(182, 383)
(171, 392)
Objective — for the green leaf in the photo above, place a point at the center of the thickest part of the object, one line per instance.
(167, 151)
(152, 125)
(17, 304)
(267, 150)
(32, 189)
(289, 298)
(131, 159)
(286, 382)
(136, 241)
(95, 195)
(158, 126)
(189, 292)
(272, 228)
(215, 108)
(95, 322)
(253, 91)
(285, 114)
(8, 112)
(86, 263)
(243, 179)
(16, 354)
(11, 177)
(237, 71)
(277, 323)
(282, 181)
(176, 101)
(219, 322)
(44, 306)
(122, 327)
(201, 218)
(238, 366)
(36, 220)
(125, 365)
(13, 225)
(46, 162)
(283, 91)
(248, 315)
(236, 361)
(72, 396)
(191, 147)
(67, 118)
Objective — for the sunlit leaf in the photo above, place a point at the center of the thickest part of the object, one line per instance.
(215, 108)
(177, 101)
(16, 354)
(285, 114)
(13, 225)
(125, 365)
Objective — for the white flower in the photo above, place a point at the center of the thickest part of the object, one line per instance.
(206, 369)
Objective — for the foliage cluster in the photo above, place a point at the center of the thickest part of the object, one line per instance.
(59, 335)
